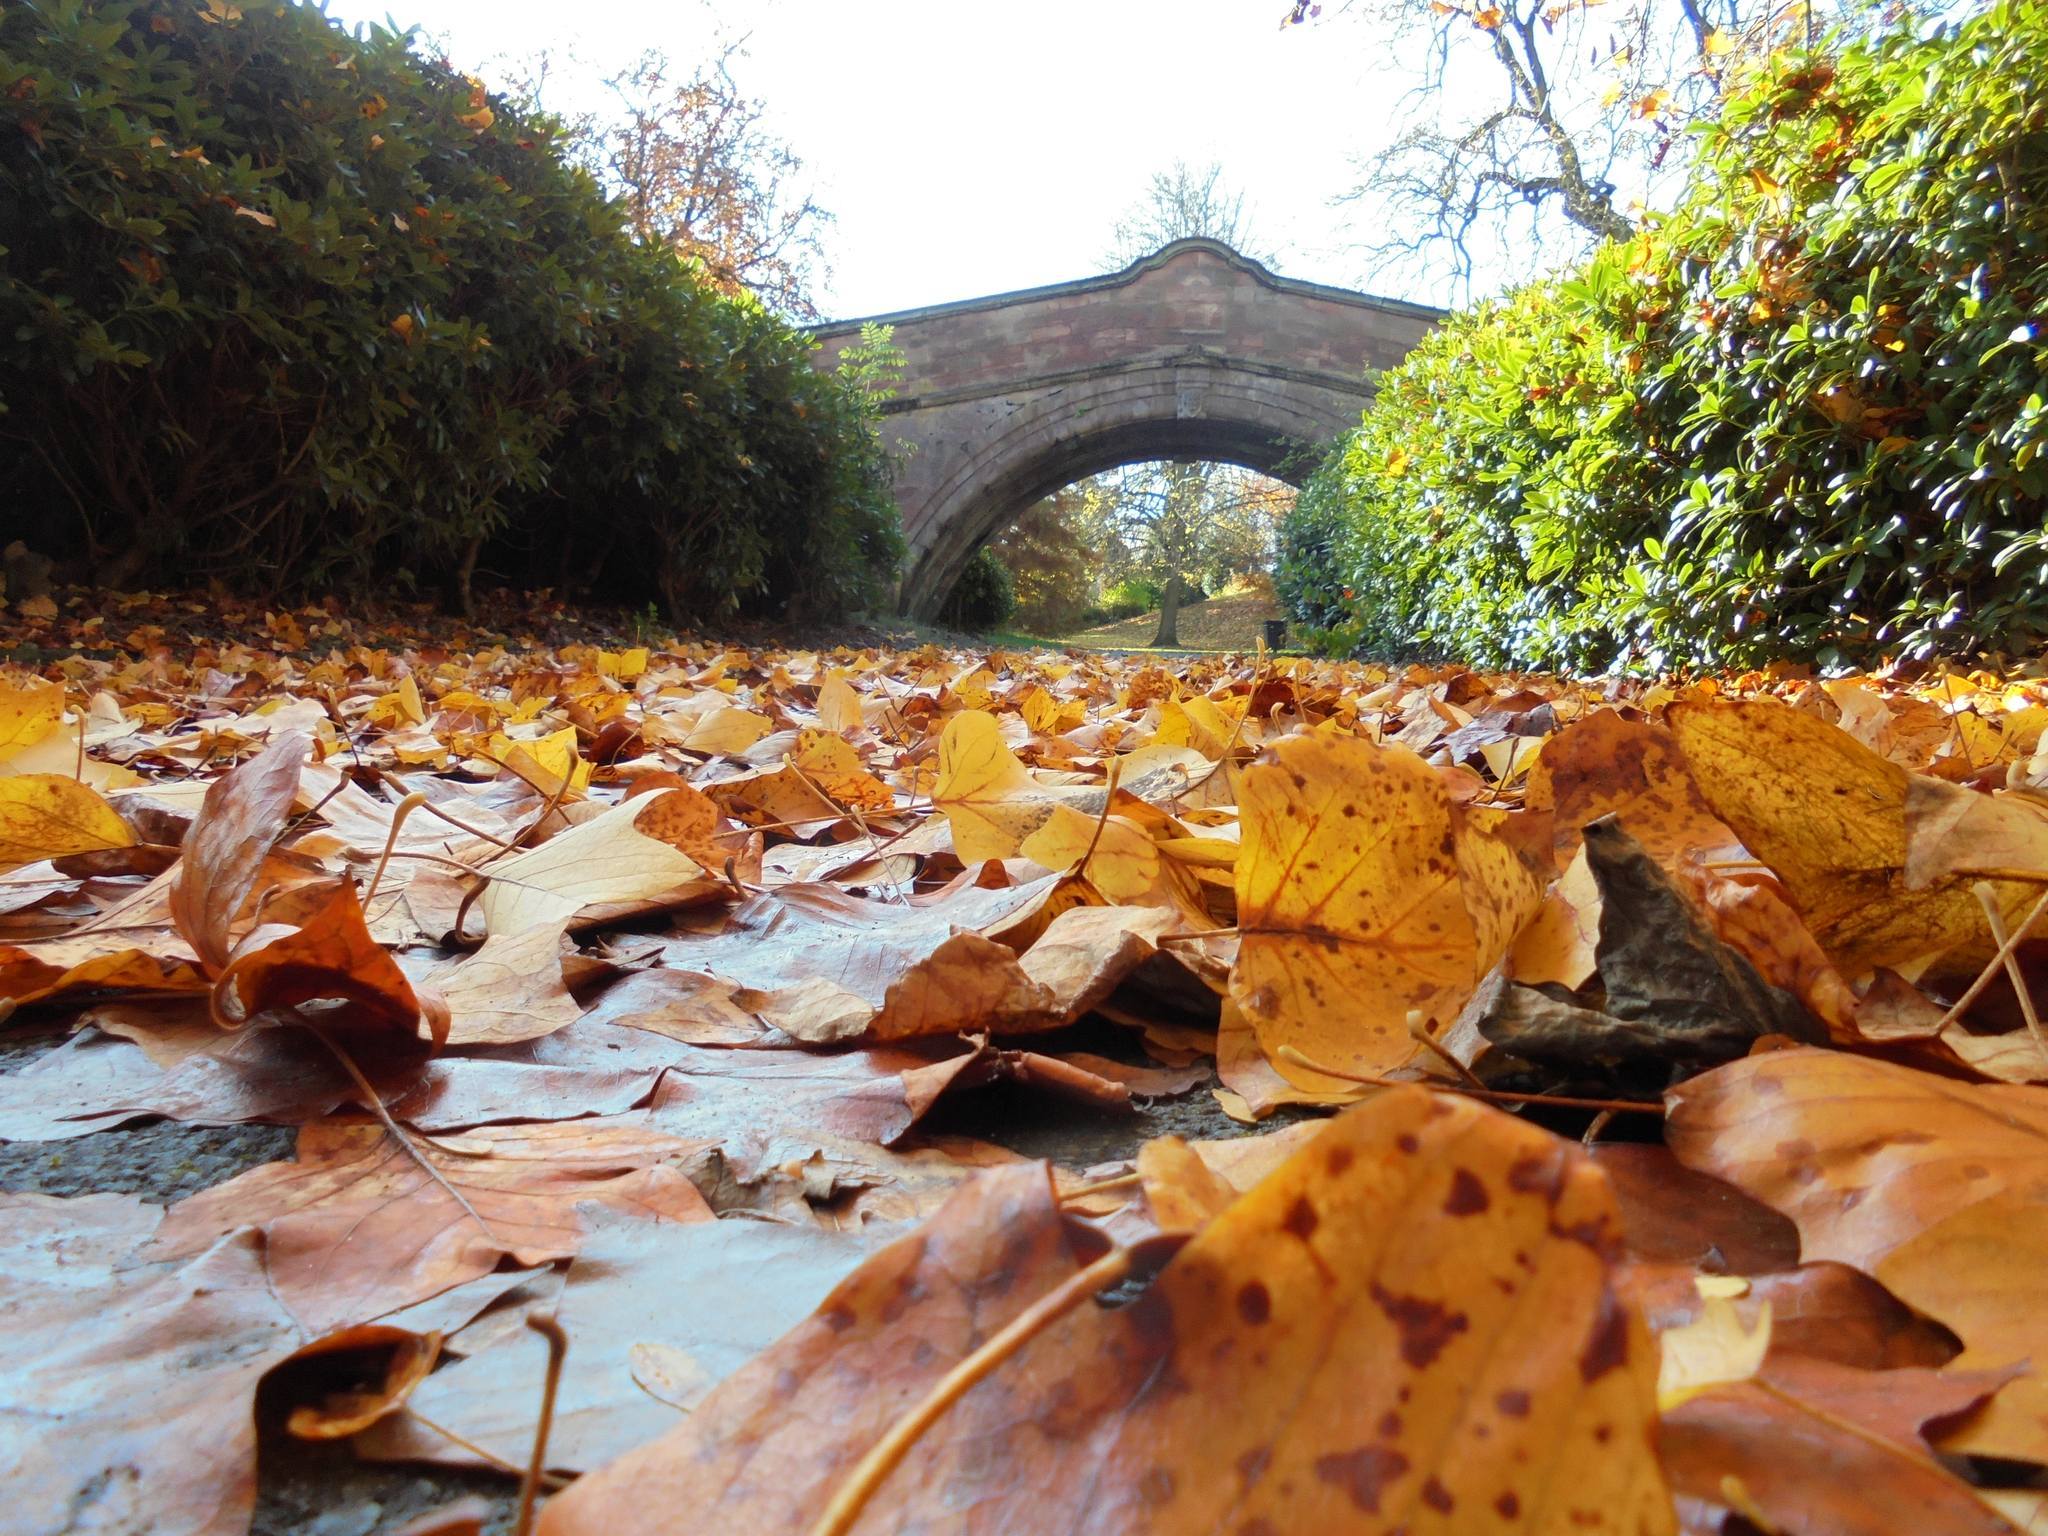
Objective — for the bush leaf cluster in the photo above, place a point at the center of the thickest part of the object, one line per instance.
(283, 306)
(1800, 415)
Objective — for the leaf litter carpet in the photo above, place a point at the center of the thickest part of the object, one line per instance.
(939, 1091)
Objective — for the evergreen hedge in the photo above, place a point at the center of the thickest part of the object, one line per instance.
(284, 307)
(1802, 415)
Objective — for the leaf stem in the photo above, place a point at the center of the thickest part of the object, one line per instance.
(1491, 1095)
(887, 1453)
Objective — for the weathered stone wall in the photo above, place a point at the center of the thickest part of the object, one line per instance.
(1195, 352)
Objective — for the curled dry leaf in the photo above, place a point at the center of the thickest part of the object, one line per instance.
(329, 956)
(1937, 1189)
(404, 1359)
(1367, 1311)
(243, 815)
(1365, 893)
(355, 1228)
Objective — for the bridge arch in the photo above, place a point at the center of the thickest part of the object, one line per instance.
(1195, 352)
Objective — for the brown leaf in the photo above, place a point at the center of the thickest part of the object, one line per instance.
(243, 815)
(126, 1387)
(1365, 1393)
(1808, 1473)
(746, 1282)
(831, 968)
(508, 991)
(1937, 1189)
(329, 956)
(355, 1228)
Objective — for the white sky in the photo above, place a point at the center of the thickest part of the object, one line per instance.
(969, 148)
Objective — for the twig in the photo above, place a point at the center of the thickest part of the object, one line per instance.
(2005, 951)
(406, 807)
(886, 1454)
(1116, 767)
(1988, 899)
(1491, 1095)
(1422, 1037)
(391, 1126)
(545, 1325)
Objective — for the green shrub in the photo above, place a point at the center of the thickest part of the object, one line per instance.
(1799, 416)
(984, 597)
(1130, 597)
(281, 306)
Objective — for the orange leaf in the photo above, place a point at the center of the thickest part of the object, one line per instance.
(1365, 1311)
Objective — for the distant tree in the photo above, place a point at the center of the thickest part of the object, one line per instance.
(1189, 527)
(697, 170)
(1561, 113)
(1172, 522)
(1052, 562)
(1183, 203)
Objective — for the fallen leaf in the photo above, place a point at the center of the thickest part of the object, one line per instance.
(611, 858)
(43, 816)
(328, 956)
(125, 1388)
(1936, 1189)
(746, 1282)
(1364, 893)
(1828, 816)
(354, 1228)
(230, 838)
(510, 990)
(1364, 1395)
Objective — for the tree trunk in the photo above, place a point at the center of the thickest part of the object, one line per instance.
(1169, 611)
(465, 578)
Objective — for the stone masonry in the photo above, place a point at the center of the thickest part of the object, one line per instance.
(1195, 352)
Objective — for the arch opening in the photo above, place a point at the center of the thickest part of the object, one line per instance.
(1150, 552)
(995, 487)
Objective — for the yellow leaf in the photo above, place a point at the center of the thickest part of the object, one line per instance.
(622, 664)
(1487, 18)
(401, 706)
(839, 706)
(830, 763)
(989, 798)
(1828, 815)
(1364, 893)
(1714, 1348)
(46, 816)
(603, 860)
(727, 729)
(27, 715)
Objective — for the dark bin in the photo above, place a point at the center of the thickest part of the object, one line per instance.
(1276, 634)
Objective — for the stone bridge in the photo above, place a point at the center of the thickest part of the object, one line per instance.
(1195, 352)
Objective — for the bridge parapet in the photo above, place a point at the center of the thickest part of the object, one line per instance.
(1193, 352)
